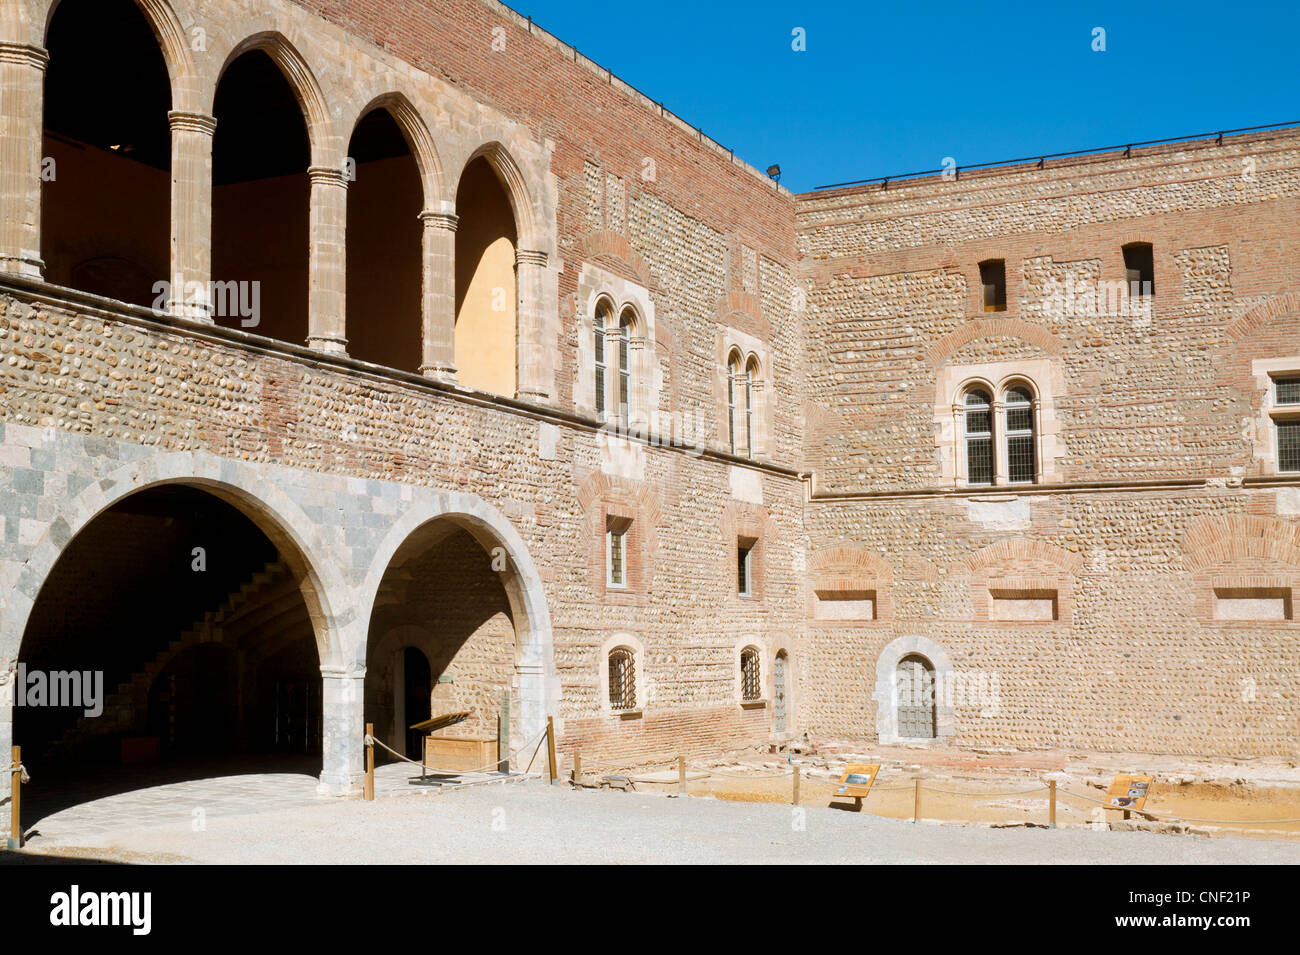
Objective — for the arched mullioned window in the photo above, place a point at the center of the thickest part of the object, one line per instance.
(978, 424)
(599, 325)
(622, 679)
(1018, 433)
(625, 323)
(751, 684)
(733, 373)
(751, 375)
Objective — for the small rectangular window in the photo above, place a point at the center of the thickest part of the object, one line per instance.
(616, 551)
(744, 566)
(993, 277)
(1139, 265)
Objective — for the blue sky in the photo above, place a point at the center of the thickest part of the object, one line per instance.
(893, 88)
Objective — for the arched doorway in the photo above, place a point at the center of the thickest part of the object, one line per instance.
(443, 617)
(486, 300)
(195, 644)
(779, 678)
(914, 683)
(106, 184)
(417, 697)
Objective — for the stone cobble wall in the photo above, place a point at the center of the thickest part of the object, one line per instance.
(104, 389)
(894, 290)
(1136, 666)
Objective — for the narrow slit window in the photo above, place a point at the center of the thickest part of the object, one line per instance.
(749, 409)
(1140, 268)
(979, 437)
(616, 529)
(745, 566)
(733, 367)
(993, 278)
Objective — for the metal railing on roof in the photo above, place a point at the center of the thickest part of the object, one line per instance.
(1041, 160)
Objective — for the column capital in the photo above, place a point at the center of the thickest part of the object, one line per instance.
(26, 54)
(443, 221)
(530, 257)
(182, 120)
(327, 176)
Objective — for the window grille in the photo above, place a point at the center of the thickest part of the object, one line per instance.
(599, 329)
(616, 552)
(979, 437)
(622, 679)
(1021, 457)
(624, 368)
(744, 581)
(751, 687)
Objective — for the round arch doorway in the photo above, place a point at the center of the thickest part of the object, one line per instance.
(190, 627)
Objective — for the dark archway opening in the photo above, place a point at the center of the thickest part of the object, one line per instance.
(385, 246)
(261, 199)
(486, 301)
(106, 183)
(441, 601)
(187, 619)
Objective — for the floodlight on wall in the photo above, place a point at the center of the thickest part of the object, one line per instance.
(774, 172)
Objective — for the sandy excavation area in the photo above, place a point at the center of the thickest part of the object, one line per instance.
(1205, 797)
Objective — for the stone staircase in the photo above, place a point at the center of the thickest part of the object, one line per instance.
(126, 709)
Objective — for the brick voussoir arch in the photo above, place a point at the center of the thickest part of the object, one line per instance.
(1020, 549)
(1212, 541)
(854, 558)
(538, 686)
(989, 328)
(609, 247)
(244, 487)
(1261, 315)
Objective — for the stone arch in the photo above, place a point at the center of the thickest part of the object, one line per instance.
(515, 184)
(1031, 334)
(612, 249)
(172, 40)
(1019, 549)
(420, 141)
(326, 148)
(885, 693)
(534, 653)
(243, 487)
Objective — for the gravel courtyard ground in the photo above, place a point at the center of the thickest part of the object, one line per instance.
(530, 822)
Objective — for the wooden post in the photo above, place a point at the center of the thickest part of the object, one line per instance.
(1051, 804)
(15, 802)
(916, 807)
(577, 767)
(795, 800)
(550, 749)
(370, 763)
(681, 775)
(503, 734)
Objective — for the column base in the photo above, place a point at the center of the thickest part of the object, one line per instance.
(344, 787)
(23, 265)
(195, 313)
(330, 346)
(443, 373)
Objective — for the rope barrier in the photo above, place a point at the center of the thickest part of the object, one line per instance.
(953, 792)
(19, 768)
(371, 740)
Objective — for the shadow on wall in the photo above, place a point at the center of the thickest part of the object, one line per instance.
(485, 282)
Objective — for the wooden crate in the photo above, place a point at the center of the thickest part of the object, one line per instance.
(459, 752)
